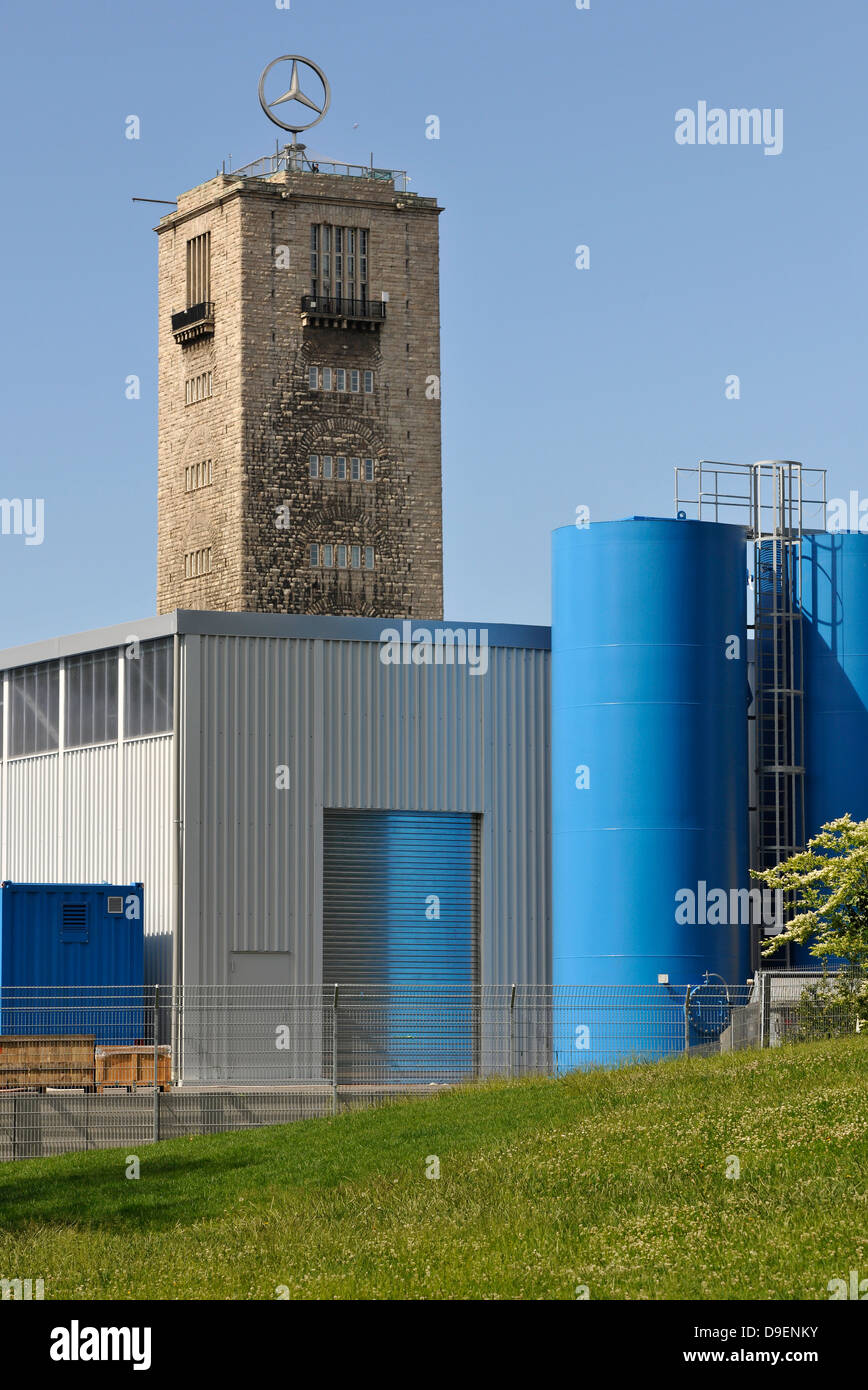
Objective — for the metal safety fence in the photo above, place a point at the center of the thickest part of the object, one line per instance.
(101, 1067)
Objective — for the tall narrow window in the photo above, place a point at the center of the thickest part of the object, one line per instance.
(340, 379)
(313, 464)
(342, 557)
(313, 378)
(342, 469)
(356, 552)
(354, 380)
(326, 378)
(354, 470)
(148, 690)
(326, 465)
(339, 261)
(34, 709)
(198, 269)
(369, 557)
(328, 556)
(91, 699)
(369, 383)
(369, 470)
(314, 557)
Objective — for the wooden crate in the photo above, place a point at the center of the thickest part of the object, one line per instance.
(132, 1066)
(35, 1061)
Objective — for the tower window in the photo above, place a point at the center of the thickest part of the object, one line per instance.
(342, 557)
(342, 469)
(369, 470)
(356, 552)
(198, 388)
(369, 383)
(313, 378)
(354, 469)
(354, 380)
(198, 475)
(314, 557)
(340, 379)
(197, 563)
(198, 269)
(327, 465)
(339, 258)
(326, 378)
(328, 552)
(313, 464)
(369, 557)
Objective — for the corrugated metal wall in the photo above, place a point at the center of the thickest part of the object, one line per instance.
(354, 733)
(60, 823)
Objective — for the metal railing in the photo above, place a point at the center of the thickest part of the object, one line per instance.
(96, 1068)
(294, 159)
(197, 313)
(333, 307)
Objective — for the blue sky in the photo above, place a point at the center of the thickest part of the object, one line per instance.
(560, 386)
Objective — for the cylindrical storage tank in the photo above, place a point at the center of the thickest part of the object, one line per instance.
(833, 584)
(649, 763)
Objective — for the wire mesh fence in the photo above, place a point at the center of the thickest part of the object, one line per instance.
(96, 1068)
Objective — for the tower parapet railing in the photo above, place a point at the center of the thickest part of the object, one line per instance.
(295, 159)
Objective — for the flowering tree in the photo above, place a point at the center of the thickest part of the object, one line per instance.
(828, 883)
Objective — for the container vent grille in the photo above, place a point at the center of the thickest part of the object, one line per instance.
(115, 906)
(74, 915)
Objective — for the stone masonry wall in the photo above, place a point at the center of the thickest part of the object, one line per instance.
(263, 510)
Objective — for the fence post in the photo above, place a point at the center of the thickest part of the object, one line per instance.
(156, 1026)
(511, 1029)
(687, 1020)
(765, 1010)
(335, 1053)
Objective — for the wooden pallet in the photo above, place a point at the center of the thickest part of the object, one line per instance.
(131, 1067)
(33, 1062)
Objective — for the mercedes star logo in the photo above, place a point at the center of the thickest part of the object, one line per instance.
(294, 93)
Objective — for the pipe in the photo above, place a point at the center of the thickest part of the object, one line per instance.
(177, 855)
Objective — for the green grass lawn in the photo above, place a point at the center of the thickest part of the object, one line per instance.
(612, 1180)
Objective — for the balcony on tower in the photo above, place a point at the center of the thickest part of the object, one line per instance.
(326, 311)
(194, 323)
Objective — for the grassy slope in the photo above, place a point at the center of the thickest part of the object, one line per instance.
(611, 1180)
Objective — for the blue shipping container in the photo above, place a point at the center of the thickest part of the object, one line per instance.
(72, 960)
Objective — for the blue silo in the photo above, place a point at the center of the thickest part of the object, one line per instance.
(833, 584)
(649, 754)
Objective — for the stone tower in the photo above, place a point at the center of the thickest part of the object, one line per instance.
(299, 394)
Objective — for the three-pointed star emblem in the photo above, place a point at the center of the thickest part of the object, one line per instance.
(294, 93)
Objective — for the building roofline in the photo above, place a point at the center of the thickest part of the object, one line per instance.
(98, 639)
(330, 629)
(204, 623)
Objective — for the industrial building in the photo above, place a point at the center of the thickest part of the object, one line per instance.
(297, 807)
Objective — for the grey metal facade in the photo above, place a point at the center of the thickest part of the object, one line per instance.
(302, 701)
